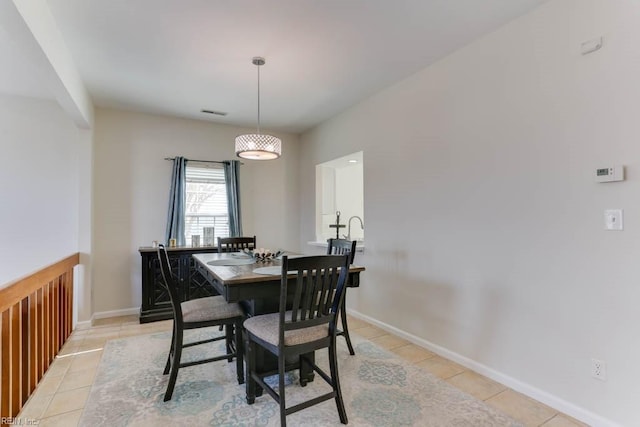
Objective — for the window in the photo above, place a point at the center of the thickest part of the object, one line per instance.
(206, 201)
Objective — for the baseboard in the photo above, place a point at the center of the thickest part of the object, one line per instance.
(86, 324)
(548, 399)
(115, 313)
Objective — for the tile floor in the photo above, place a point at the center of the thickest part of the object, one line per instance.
(62, 393)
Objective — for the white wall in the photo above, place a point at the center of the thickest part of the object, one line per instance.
(39, 186)
(131, 192)
(484, 231)
(350, 198)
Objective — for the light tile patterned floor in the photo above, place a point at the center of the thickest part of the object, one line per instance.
(62, 393)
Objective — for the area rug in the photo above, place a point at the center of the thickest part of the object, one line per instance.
(379, 389)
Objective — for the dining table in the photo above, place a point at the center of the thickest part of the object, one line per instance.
(255, 285)
(238, 277)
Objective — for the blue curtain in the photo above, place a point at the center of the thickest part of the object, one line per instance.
(177, 202)
(232, 181)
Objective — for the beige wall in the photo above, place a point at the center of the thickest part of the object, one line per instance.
(484, 226)
(131, 192)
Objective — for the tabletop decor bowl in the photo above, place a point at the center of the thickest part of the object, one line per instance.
(262, 254)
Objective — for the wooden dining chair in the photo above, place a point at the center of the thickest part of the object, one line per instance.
(236, 244)
(343, 247)
(308, 324)
(200, 313)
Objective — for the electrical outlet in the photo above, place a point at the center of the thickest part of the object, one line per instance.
(598, 369)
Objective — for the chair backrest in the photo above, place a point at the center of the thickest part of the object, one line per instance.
(319, 286)
(236, 244)
(342, 247)
(170, 283)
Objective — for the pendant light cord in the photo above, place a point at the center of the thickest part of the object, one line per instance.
(258, 98)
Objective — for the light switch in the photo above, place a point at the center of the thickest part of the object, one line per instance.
(613, 219)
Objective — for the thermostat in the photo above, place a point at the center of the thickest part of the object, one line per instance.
(610, 174)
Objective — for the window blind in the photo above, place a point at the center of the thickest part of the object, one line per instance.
(206, 201)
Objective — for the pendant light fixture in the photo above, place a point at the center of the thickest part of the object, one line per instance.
(257, 146)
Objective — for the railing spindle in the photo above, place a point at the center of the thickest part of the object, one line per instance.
(33, 341)
(5, 394)
(14, 349)
(24, 346)
(40, 333)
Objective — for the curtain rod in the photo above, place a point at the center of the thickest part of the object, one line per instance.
(202, 161)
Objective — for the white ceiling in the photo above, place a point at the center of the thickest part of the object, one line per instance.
(177, 57)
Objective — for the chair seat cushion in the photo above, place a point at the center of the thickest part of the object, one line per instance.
(209, 308)
(266, 327)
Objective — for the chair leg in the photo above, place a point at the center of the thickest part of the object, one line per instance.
(251, 367)
(345, 327)
(173, 338)
(229, 333)
(333, 366)
(177, 354)
(302, 362)
(239, 341)
(281, 375)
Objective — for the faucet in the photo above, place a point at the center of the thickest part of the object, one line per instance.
(348, 236)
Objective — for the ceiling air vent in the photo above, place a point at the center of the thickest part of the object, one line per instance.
(216, 113)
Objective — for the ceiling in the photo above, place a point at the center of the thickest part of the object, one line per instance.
(177, 57)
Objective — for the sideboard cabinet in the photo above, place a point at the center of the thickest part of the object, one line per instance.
(155, 299)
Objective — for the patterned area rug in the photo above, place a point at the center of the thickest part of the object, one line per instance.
(379, 389)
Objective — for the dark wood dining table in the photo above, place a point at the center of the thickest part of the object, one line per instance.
(257, 293)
